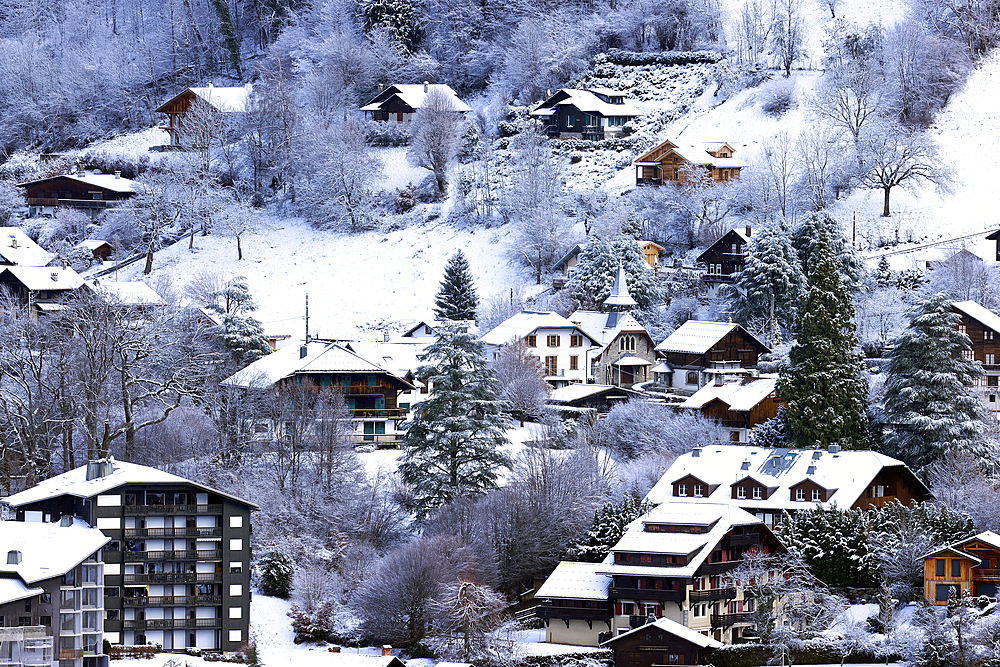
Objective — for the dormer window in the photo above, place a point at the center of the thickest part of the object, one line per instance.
(816, 495)
(745, 465)
(756, 493)
(699, 491)
(682, 489)
(800, 494)
(741, 492)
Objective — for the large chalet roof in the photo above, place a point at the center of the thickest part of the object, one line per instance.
(588, 101)
(17, 248)
(694, 337)
(527, 323)
(413, 95)
(231, 99)
(576, 581)
(739, 396)
(698, 154)
(577, 392)
(986, 537)
(720, 518)
(982, 315)
(396, 357)
(47, 549)
(321, 357)
(847, 474)
(109, 182)
(674, 628)
(38, 278)
(726, 239)
(75, 483)
(132, 293)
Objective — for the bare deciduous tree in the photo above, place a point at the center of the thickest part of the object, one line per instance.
(437, 132)
(892, 156)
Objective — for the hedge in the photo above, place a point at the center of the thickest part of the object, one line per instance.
(753, 655)
(619, 57)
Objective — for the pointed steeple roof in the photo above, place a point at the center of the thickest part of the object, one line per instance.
(620, 298)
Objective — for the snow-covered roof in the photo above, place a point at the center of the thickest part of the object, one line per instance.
(674, 628)
(606, 326)
(92, 244)
(129, 293)
(17, 248)
(575, 250)
(694, 337)
(320, 357)
(662, 367)
(47, 549)
(619, 291)
(577, 581)
(721, 517)
(632, 360)
(526, 323)
(952, 550)
(739, 396)
(578, 391)
(588, 101)
(107, 181)
(697, 153)
(848, 474)
(413, 94)
(37, 278)
(12, 589)
(978, 313)
(225, 98)
(75, 483)
(396, 357)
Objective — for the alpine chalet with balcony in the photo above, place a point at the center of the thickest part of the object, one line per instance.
(592, 114)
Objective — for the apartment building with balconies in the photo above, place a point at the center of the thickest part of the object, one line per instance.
(177, 563)
(51, 594)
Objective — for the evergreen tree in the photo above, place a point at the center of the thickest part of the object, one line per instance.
(771, 283)
(456, 298)
(805, 240)
(928, 398)
(772, 433)
(596, 266)
(242, 335)
(883, 275)
(822, 386)
(834, 544)
(453, 443)
(609, 525)
(276, 572)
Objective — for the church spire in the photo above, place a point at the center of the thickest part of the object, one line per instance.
(619, 300)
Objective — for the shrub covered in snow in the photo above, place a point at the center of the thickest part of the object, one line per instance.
(620, 57)
(276, 572)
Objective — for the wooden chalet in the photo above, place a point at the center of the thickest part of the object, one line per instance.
(670, 163)
(968, 566)
(737, 405)
(982, 326)
(223, 99)
(399, 103)
(662, 642)
(101, 251)
(592, 114)
(699, 352)
(90, 191)
(724, 259)
(39, 288)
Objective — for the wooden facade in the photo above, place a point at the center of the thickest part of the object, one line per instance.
(593, 115)
(720, 411)
(986, 350)
(652, 645)
(970, 566)
(737, 345)
(892, 484)
(669, 163)
(68, 190)
(725, 258)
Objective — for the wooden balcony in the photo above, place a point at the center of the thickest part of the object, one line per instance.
(726, 620)
(713, 594)
(985, 574)
(369, 413)
(167, 510)
(175, 578)
(69, 653)
(173, 532)
(646, 594)
(720, 567)
(364, 390)
(745, 540)
(381, 439)
(174, 601)
(573, 613)
(172, 623)
(75, 203)
(718, 278)
(649, 181)
(200, 554)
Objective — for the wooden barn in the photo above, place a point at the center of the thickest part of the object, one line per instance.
(223, 99)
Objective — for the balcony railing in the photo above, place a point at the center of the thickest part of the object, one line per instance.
(646, 594)
(570, 613)
(720, 567)
(172, 623)
(199, 554)
(70, 653)
(985, 574)
(377, 438)
(713, 594)
(365, 413)
(174, 601)
(745, 540)
(156, 510)
(76, 203)
(173, 532)
(726, 620)
(718, 278)
(175, 578)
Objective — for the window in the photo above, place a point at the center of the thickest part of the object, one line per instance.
(961, 329)
(576, 341)
(699, 491)
(45, 620)
(968, 355)
(939, 563)
(23, 621)
(987, 334)
(682, 489)
(878, 491)
(956, 567)
(990, 359)
(109, 592)
(943, 591)
(756, 493)
(372, 380)
(674, 659)
(551, 365)
(626, 343)
(552, 341)
(574, 363)
(741, 492)
(800, 494)
(816, 495)
(111, 615)
(532, 341)
(628, 608)
(991, 380)
(692, 377)
(236, 568)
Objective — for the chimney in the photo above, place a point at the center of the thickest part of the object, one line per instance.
(80, 171)
(386, 649)
(425, 86)
(696, 452)
(65, 521)
(98, 469)
(303, 351)
(748, 231)
(118, 175)
(381, 87)
(834, 449)
(55, 276)
(13, 241)
(13, 557)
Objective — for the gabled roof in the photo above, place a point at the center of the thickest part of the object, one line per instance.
(849, 472)
(37, 278)
(413, 95)
(27, 252)
(576, 581)
(47, 549)
(982, 315)
(528, 323)
(13, 589)
(694, 337)
(739, 396)
(607, 326)
(399, 358)
(951, 550)
(321, 357)
(698, 154)
(674, 628)
(223, 98)
(105, 181)
(725, 240)
(620, 296)
(128, 293)
(579, 391)
(587, 101)
(578, 248)
(93, 244)
(75, 483)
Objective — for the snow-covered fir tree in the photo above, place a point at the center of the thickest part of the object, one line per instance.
(242, 335)
(768, 289)
(823, 385)
(597, 264)
(834, 543)
(608, 527)
(805, 240)
(771, 433)
(456, 298)
(929, 402)
(453, 443)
